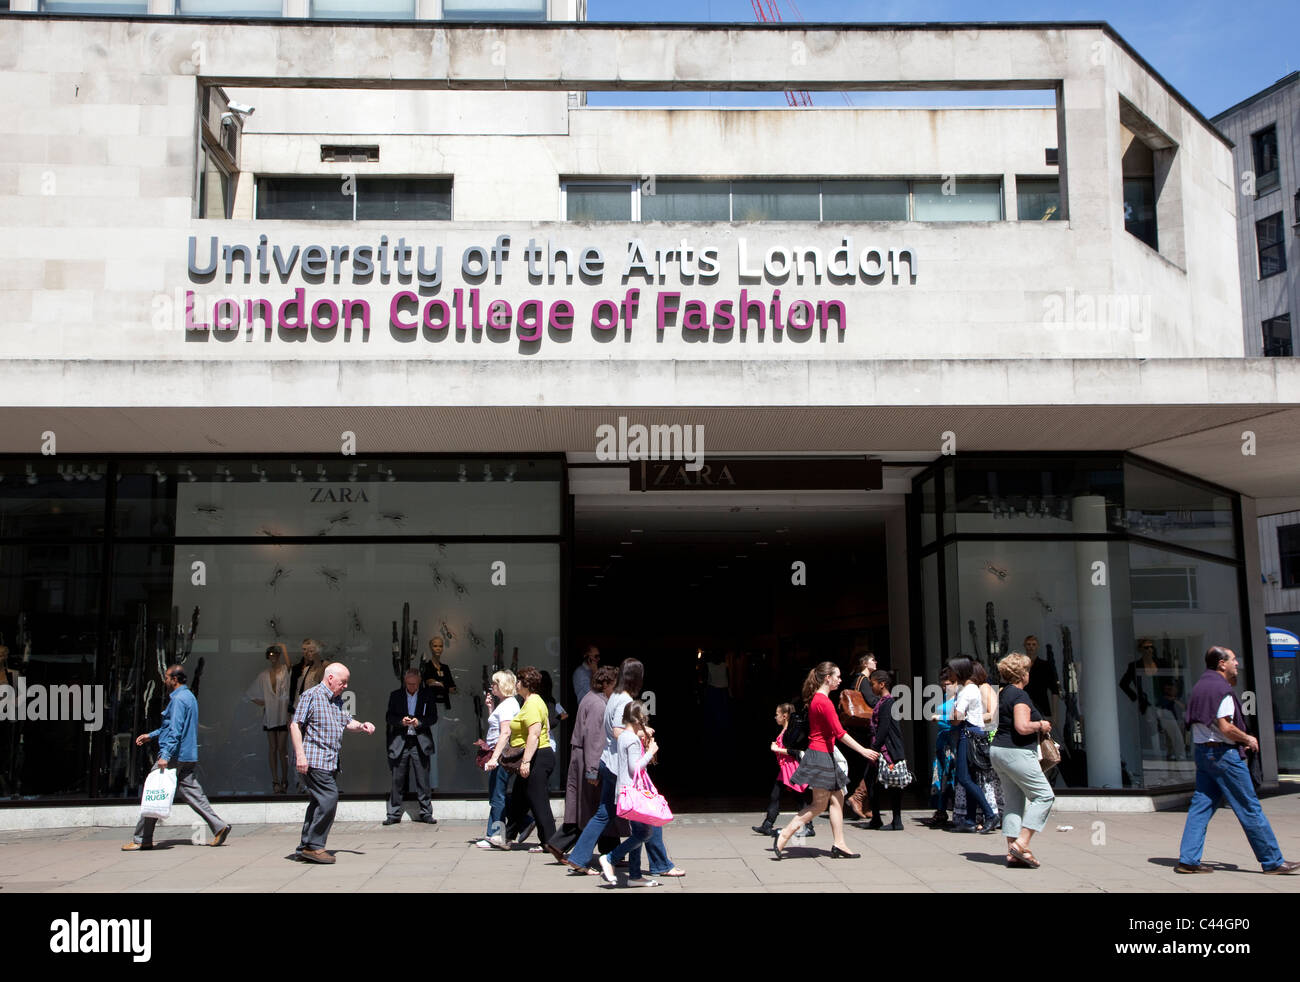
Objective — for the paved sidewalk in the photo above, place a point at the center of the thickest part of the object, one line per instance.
(1112, 853)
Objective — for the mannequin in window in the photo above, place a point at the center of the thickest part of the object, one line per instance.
(437, 677)
(270, 691)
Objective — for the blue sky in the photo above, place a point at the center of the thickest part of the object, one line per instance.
(1214, 53)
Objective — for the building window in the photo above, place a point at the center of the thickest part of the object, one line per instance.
(494, 9)
(230, 8)
(363, 9)
(1263, 147)
(1271, 242)
(775, 201)
(1288, 554)
(400, 199)
(1277, 337)
(864, 201)
(686, 201)
(1038, 199)
(957, 200)
(216, 187)
(872, 200)
(604, 202)
(94, 6)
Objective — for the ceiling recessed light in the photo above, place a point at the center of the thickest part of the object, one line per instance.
(628, 543)
(636, 531)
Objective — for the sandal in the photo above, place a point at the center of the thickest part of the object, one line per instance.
(675, 871)
(1023, 855)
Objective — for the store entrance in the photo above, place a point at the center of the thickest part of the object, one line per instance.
(728, 605)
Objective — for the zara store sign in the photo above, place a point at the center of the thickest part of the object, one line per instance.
(409, 285)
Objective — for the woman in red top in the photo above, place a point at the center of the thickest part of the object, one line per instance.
(825, 779)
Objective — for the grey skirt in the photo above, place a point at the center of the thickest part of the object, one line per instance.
(818, 769)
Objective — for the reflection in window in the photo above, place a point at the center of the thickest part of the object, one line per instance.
(1158, 506)
(216, 188)
(363, 9)
(494, 9)
(687, 201)
(1263, 147)
(1288, 551)
(1038, 199)
(405, 199)
(1277, 337)
(775, 201)
(598, 202)
(864, 201)
(958, 200)
(231, 8)
(95, 6)
(336, 199)
(1270, 238)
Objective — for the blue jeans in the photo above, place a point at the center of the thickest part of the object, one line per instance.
(974, 793)
(498, 779)
(631, 848)
(581, 853)
(658, 853)
(1221, 773)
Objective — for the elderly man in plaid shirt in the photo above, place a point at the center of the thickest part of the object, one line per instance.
(317, 730)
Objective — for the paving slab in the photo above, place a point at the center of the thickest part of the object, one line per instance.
(1131, 853)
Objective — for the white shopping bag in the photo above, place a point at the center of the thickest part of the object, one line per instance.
(159, 790)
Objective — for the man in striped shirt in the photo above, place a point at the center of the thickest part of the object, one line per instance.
(319, 720)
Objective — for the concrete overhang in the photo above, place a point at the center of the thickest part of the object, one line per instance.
(1195, 415)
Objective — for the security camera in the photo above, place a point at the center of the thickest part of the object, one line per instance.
(235, 113)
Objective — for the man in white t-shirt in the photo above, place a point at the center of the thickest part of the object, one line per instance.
(1219, 731)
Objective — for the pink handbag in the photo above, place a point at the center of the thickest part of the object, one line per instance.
(641, 802)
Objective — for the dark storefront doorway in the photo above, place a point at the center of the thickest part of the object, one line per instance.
(702, 593)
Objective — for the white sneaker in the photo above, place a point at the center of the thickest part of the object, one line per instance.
(483, 844)
(498, 842)
(607, 870)
(644, 882)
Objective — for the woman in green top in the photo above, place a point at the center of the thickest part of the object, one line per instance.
(530, 729)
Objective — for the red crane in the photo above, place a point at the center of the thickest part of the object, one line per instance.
(772, 15)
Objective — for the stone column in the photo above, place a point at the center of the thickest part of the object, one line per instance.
(1094, 649)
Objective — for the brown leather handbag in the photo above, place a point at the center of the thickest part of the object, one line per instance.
(854, 711)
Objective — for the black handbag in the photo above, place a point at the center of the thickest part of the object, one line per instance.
(978, 742)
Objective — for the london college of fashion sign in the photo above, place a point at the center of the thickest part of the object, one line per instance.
(527, 289)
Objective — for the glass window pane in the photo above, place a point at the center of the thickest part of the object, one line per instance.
(775, 201)
(1140, 209)
(494, 9)
(686, 201)
(231, 8)
(60, 500)
(364, 9)
(1161, 507)
(1181, 606)
(303, 199)
(864, 201)
(1038, 199)
(1011, 497)
(49, 600)
(404, 199)
(1264, 151)
(969, 201)
(927, 512)
(931, 616)
(1277, 336)
(352, 598)
(598, 202)
(1269, 237)
(95, 6)
(215, 190)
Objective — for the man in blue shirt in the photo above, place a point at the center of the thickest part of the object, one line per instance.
(178, 745)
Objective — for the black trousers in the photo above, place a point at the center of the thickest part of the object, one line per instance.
(412, 762)
(774, 803)
(532, 794)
